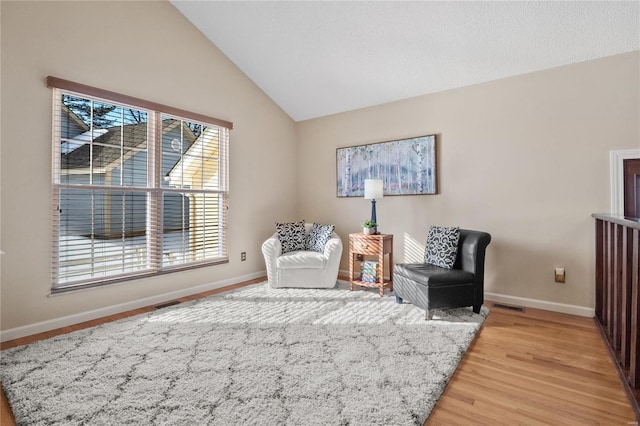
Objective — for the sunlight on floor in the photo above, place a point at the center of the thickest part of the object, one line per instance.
(262, 304)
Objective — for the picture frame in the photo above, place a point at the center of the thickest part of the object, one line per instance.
(405, 166)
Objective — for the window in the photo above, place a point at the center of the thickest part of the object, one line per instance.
(138, 188)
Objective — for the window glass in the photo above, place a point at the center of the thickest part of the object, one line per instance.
(108, 192)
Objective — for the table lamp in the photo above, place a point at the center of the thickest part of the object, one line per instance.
(372, 190)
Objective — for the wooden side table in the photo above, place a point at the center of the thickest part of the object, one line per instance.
(378, 245)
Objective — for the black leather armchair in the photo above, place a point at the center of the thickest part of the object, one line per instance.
(431, 287)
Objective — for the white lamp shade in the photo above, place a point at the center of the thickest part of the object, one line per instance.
(373, 189)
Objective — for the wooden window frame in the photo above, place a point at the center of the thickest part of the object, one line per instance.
(155, 188)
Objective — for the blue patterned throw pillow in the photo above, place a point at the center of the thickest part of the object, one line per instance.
(291, 236)
(442, 246)
(318, 237)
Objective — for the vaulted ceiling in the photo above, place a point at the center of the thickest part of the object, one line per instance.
(316, 58)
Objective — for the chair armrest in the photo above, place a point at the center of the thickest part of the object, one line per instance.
(471, 251)
(333, 253)
(333, 245)
(273, 243)
(271, 250)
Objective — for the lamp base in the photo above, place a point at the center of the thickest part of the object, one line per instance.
(374, 219)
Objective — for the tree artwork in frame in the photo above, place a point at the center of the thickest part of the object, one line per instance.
(405, 166)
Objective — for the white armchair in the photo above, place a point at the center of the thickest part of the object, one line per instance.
(302, 269)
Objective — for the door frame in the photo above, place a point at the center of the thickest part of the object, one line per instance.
(616, 178)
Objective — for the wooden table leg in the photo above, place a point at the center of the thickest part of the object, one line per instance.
(351, 270)
(381, 277)
(391, 270)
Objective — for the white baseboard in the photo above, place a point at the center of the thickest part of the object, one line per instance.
(40, 327)
(582, 311)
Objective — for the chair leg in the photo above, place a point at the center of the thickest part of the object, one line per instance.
(428, 315)
(476, 308)
(398, 300)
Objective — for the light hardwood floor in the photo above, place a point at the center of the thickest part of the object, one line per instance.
(534, 368)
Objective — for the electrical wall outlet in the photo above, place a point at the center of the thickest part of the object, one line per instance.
(243, 256)
(559, 275)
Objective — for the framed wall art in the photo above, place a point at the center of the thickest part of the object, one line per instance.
(405, 166)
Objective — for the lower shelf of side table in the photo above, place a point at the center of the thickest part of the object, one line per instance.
(381, 286)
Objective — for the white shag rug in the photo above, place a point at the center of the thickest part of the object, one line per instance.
(253, 356)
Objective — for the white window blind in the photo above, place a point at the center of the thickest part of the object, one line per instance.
(137, 191)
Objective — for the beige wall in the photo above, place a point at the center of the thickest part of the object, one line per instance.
(142, 49)
(524, 158)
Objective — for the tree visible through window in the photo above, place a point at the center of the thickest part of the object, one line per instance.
(137, 191)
